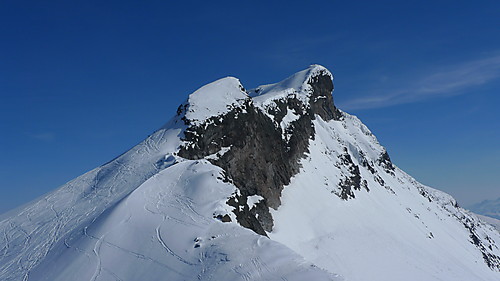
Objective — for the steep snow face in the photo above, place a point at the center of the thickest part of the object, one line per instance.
(392, 228)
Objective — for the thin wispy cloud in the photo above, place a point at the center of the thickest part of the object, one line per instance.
(447, 81)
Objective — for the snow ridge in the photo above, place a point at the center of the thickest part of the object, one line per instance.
(298, 84)
(220, 97)
(214, 99)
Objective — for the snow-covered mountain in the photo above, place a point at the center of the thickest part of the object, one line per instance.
(273, 183)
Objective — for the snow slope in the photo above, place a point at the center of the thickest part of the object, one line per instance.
(214, 99)
(390, 232)
(170, 215)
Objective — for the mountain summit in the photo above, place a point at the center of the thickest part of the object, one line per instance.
(273, 183)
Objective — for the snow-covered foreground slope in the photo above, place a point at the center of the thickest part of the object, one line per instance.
(164, 230)
(106, 226)
(30, 233)
(271, 184)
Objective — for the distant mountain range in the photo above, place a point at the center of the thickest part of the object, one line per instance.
(490, 220)
(490, 208)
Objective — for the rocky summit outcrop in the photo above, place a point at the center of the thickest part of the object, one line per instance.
(260, 139)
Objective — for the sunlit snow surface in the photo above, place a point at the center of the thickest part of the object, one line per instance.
(296, 84)
(214, 99)
(151, 215)
(114, 223)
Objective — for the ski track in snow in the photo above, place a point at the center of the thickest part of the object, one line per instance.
(117, 278)
(164, 245)
(144, 257)
(97, 249)
(162, 209)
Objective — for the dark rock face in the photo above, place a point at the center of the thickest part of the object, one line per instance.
(493, 261)
(260, 160)
(353, 181)
(322, 100)
(385, 161)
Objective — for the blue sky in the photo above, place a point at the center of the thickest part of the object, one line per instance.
(83, 81)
